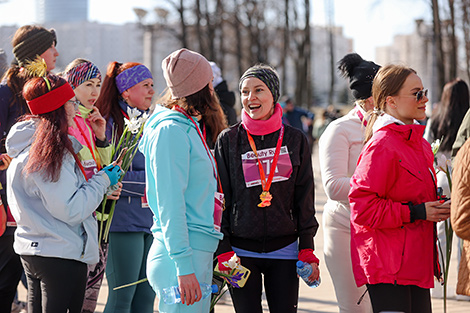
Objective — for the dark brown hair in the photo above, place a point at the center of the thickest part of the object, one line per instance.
(206, 103)
(446, 120)
(108, 101)
(51, 140)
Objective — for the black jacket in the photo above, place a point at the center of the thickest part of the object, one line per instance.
(292, 212)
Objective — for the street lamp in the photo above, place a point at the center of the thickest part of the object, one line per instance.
(149, 30)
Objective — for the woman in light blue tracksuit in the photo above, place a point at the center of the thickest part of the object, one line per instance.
(181, 183)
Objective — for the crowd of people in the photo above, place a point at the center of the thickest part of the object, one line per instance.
(206, 188)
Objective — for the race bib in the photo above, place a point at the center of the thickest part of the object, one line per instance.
(90, 168)
(282, 172)
(218, 210)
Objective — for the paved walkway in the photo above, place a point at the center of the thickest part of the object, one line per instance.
(321, 299)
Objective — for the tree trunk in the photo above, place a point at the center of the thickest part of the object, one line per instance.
(453, 53)
(438, 44)
(466, 32)
(285, 47)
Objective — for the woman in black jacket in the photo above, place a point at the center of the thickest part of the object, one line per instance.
(266, 173)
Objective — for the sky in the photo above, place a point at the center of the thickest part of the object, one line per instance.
(370, 23)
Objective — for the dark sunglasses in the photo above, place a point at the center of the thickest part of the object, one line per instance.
(420, 94)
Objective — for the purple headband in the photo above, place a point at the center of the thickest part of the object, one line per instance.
(132, 76)
(81, 73)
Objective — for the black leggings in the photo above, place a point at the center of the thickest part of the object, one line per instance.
(399, 298)
(10, 272)
(54, 284)
(280, 284)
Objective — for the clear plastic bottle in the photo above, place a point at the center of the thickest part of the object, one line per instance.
(305, 270)
(171, 295)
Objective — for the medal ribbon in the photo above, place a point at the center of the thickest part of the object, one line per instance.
(266, 184)
(209, 153)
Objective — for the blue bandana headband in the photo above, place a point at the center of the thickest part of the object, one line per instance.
(132, 76)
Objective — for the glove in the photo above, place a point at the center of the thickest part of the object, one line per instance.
(114, 172)
(224, 257)
(307, 256)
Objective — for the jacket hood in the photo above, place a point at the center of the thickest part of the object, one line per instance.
(160, 115)
(386, 119)
(20, 137)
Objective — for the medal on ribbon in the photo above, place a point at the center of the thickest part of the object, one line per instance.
(266, 196)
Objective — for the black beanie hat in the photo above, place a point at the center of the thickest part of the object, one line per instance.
(360, 72)
(267, 75)
(34, 45)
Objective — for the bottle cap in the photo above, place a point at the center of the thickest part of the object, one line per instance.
(300, 264)
(215, 288)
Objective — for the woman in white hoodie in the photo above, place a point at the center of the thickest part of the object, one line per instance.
(339, 149)
(51, 199)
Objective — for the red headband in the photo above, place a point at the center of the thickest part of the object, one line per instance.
(52, 100)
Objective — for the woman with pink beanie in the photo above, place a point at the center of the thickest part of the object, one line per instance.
(182, 183)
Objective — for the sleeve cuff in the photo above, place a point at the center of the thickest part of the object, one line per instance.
(417, 212)
(184, 266)
(102, 143)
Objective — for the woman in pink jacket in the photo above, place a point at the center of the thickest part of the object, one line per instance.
(393, 198)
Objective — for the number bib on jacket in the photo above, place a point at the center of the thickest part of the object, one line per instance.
(218, 209)
(90, 168)
(250, 166)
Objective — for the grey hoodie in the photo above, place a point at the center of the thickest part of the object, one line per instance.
(55, 219)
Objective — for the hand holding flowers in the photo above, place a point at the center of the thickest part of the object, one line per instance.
(125, 149)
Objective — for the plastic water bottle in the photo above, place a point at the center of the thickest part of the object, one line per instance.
(305, 270)
(171, 295)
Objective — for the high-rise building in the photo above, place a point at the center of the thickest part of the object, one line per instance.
(52, 11)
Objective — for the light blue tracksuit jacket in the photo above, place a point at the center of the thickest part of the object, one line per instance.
(180, 187)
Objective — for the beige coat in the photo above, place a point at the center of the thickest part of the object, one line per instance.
(460, 213)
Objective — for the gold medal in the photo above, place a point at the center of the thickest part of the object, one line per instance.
(265, 198)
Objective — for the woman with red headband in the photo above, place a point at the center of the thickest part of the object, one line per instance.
(29, 42)
(51, 200)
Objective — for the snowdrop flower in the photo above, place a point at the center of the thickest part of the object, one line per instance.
(435, 146)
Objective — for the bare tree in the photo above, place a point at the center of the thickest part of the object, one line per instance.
(453, 42)
(438, 44)
(465, 5)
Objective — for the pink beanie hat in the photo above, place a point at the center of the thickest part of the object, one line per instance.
(186, 72)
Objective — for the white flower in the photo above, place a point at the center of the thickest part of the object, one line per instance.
(232, 263)
(443, 164)
(133, 125)
(435, 146)
(133, 113)
(143, 118)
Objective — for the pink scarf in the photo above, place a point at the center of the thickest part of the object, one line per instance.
(259, 127)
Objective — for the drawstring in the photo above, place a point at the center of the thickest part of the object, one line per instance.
(362, 297)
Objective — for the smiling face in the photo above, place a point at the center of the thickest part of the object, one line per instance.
(50, 57)
(88, 92)
(404, 106)
(257, 99)
(140, 95)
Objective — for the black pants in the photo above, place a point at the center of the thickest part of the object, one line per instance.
(280, 284)
(55, 285)
(10, 272)
(399, 298)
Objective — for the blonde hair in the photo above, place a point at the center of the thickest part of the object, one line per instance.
(388, 82)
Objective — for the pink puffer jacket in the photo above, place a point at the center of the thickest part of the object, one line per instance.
(395, 168)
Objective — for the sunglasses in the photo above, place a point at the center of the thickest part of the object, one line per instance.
(419, 95)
